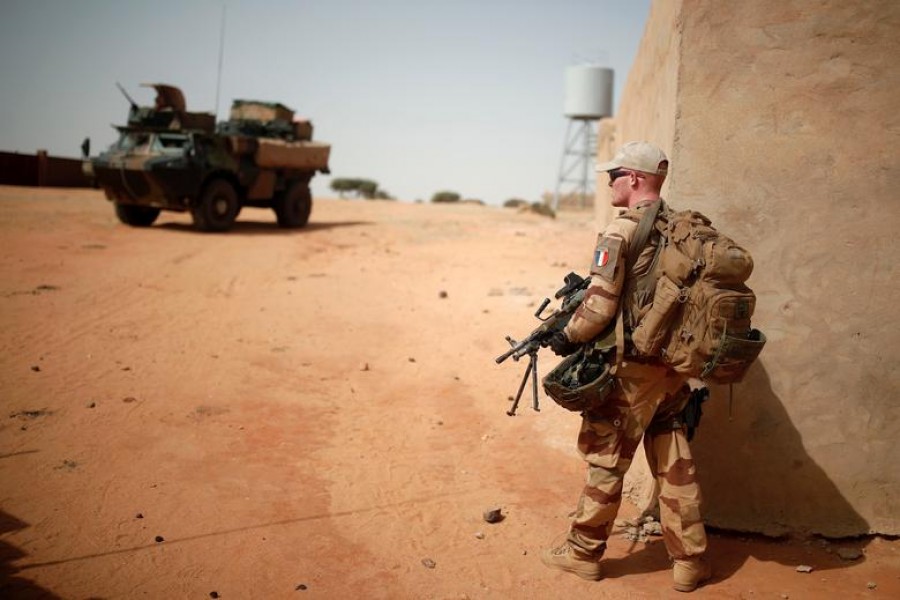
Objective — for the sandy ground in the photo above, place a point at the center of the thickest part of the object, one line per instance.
(308, 414)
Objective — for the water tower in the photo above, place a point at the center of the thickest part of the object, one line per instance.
(589, 95)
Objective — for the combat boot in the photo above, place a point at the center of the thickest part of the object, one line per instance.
(690, 572)
(566, 558)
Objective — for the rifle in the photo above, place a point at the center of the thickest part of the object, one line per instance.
(572, 294)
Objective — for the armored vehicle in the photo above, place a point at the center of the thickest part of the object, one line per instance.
(167, 158)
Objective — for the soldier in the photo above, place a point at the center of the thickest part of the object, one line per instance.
(646, 401)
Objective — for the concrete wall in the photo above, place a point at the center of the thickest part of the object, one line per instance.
(780, 119)
(648, 98)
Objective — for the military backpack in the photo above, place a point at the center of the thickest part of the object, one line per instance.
(698, 318)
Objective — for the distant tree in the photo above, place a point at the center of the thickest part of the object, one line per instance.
(445, 196)
(515, 203)
(342, 186)
(365, 188)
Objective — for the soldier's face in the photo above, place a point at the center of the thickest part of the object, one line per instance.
(619, 185)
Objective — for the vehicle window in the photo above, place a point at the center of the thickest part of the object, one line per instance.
(131, 140)
(170, 141)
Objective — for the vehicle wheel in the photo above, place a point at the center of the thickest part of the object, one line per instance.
(217, 207)
(136, 216)
(292, 207)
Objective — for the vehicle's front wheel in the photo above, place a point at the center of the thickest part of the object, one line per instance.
(136, 216)
(217, 207)
(292, 207)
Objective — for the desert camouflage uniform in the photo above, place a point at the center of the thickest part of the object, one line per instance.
(646, 392)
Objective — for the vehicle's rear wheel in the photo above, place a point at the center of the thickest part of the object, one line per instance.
(292, 207)
(136, 216)
(217, 207)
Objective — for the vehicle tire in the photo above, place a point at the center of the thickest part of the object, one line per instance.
(293, 206)
(217, 207)
(136, 216)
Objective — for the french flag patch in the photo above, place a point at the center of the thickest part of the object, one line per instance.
(601, 257)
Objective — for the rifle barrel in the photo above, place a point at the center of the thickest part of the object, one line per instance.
(127, 97)
(504, 356)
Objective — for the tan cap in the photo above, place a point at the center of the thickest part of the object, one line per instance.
(638, 156)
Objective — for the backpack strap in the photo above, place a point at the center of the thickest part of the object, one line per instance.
(641, 236)
(645, 226)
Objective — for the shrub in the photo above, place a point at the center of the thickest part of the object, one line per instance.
(367, 189)
(445, 197)
(363, 188)
(342, 186)
(515, 203)
(540, 208)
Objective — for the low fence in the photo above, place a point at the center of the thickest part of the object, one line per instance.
(41, 170)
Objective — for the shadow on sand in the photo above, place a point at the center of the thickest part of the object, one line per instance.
(729, 552)
(12, 585)
(245, 228)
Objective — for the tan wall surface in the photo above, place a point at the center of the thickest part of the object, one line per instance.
(786, 132)
(648, 98)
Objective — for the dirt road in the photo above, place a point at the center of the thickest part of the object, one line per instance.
(307, 414)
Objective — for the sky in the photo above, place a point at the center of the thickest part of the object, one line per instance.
(420, 96)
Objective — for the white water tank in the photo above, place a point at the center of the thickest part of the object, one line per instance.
(589, 92)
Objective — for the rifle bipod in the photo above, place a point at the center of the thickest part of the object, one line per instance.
(531, 370)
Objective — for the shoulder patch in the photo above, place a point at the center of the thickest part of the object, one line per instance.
(606, 257)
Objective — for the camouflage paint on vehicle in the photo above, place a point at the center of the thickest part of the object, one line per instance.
(167, 158)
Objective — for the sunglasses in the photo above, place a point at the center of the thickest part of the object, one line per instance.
(613, 175)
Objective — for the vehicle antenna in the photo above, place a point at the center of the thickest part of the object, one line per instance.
(221, 53)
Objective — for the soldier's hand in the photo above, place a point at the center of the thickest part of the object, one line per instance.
(561, 345)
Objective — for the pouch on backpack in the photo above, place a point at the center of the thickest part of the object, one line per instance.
(726, 262)
(712, 331)
(733, 357)
(655, 326)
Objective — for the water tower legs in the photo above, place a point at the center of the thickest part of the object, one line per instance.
(576, 166)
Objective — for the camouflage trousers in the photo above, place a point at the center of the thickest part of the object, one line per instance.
(608, 439)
